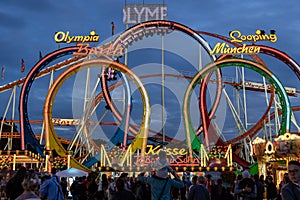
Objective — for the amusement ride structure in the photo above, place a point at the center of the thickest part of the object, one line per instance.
(154, 86)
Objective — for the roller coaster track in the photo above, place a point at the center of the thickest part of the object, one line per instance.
(265, 50)
(120, 41)
(192, 140)
(44, 72)
(27, 135)
(52, 141)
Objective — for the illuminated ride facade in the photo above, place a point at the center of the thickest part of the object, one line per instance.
(199, 144)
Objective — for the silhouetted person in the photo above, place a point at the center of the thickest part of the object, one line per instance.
(64, 186)
(30, 186)
(247, 188)
(260, 187)
(81, 189)
(121, 192)
(197, 189)
(218, 191)
(271, 188)
(14, 185)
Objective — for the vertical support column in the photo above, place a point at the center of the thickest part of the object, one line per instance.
(124, 103)
(163, 87)
(69, 159)
(101, 156)
(204, 156)
(47, 161)
(14, 162)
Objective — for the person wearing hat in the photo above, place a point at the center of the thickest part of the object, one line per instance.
(161, 187)
(246, 189)
(291, 190)
(162, 166)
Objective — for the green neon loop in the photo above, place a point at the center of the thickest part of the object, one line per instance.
(195, 143)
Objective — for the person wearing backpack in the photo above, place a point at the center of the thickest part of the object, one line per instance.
(51, 188)
(161, 187)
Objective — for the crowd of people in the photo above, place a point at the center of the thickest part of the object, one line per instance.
(28, 184)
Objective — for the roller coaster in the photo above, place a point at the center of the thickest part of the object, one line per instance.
(155, 83)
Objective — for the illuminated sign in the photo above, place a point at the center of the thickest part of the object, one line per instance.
(107, 49)
(64, 37)
(174, 161)
(65, 122)
(238, 37)
(175, 156)
(259, 36)
(262, 87)
(118, 50)
(136, 13)
(154, 150)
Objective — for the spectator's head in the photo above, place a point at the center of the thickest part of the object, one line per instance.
(208, 177)
(194, 180)
(104, 177)
(201, 179)
(53, 171)
(239, 177)
(246, 174)
(30, 183)
(162, 155)
(163, 172)
(45, 177)
(21, 171)
(120, 184)
(256, 177)
(294, 171)
(124, 175)
(269, 178)
(262, 178)
(219, 181)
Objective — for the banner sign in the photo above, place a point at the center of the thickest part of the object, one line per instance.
(65, 122)
(238, 37)
(136, 13)
(65, 37)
